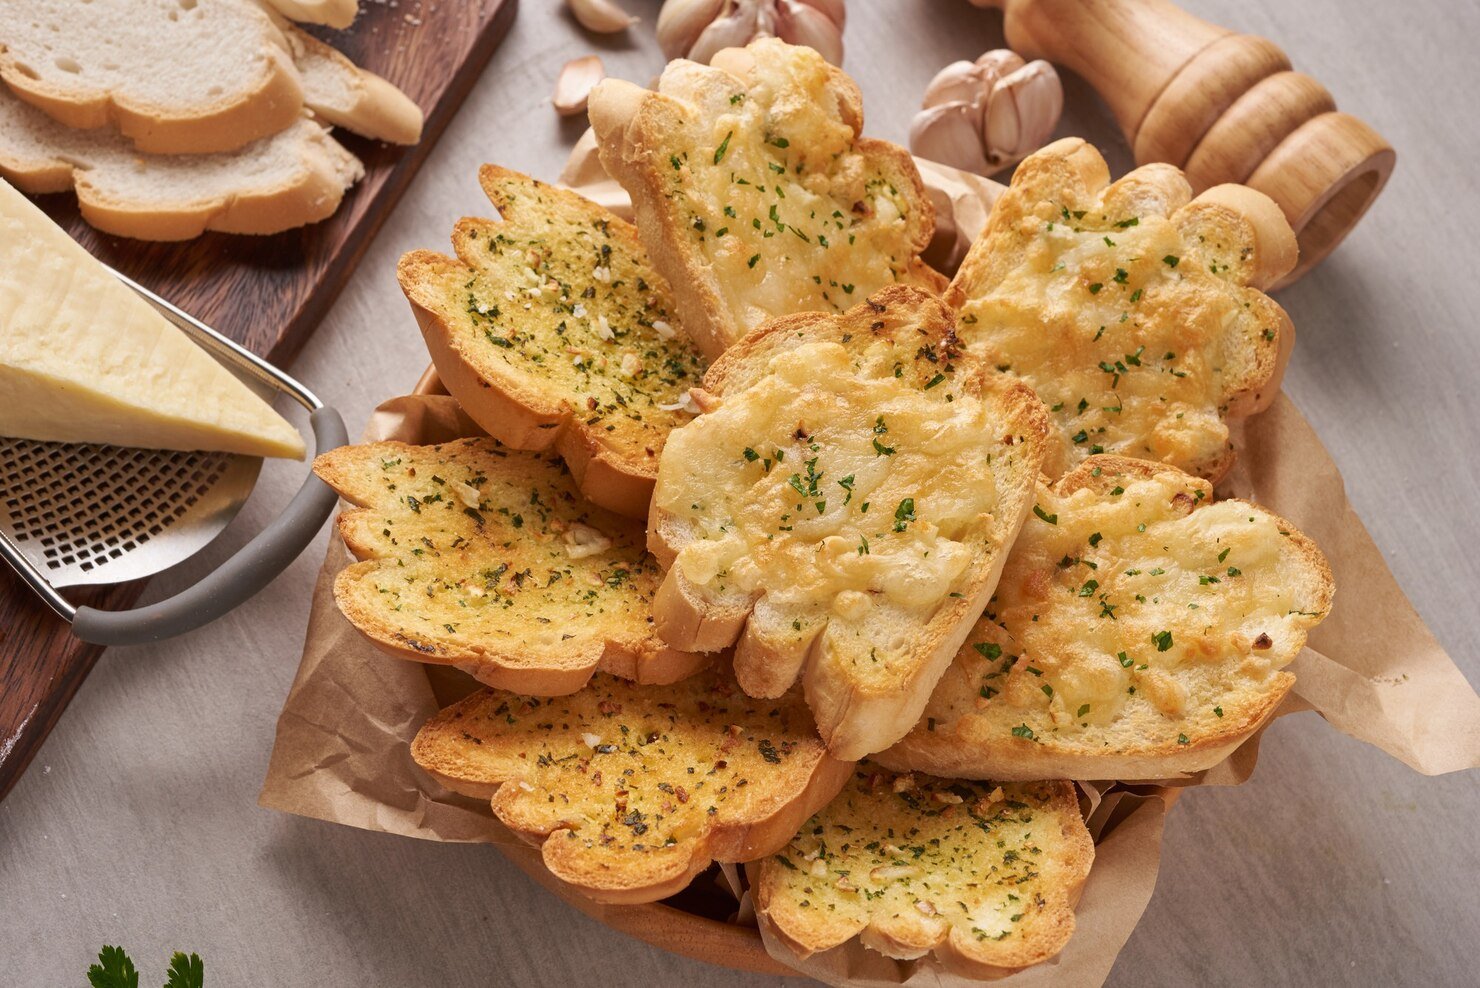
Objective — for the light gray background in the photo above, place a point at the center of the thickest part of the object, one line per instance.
(138, 825)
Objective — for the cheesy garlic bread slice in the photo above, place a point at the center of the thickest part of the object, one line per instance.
(1134, 311)
(842, 509)
(1140, 630)
(755, 193)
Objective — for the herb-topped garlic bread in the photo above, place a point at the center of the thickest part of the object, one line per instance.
(1136, 314)
(633, 790)
(755, 193)
(985, 876)
(552, 330)
(1139, 631)
(488, 559)
(843, 507)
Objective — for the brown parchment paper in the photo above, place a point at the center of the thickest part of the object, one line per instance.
(343, 738)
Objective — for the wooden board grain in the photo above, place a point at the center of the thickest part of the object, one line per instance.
(267, 293)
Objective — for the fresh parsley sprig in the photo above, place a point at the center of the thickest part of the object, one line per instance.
(115, 969)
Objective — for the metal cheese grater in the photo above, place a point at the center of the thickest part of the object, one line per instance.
(73, 514)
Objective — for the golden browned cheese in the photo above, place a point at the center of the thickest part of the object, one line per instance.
(1127, 308)
(757, 195)
(1135, 617)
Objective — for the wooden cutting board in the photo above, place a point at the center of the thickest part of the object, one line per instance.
(267, 293)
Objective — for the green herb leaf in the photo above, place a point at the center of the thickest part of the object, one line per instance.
(1163, 640)
(114, 969)
(1052, 519)
(724, 145)
(186, 972)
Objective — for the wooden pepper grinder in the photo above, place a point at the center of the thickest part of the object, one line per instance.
(1224, 107)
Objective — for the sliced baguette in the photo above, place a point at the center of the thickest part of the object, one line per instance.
(754, 192)
(632, 790)
(1136, 314)
(341, 93)
(553, 332)
(334, 13)
(488, 560)
(292, 178)
(174, 78)
(984, 876)
(843, 508)
(1140, 631)
(196, 78)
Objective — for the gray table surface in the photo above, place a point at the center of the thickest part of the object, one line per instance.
(138, 825)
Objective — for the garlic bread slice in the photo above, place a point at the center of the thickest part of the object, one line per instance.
(1140, 631)
(755, 193)
(1135, 312)
(984, 876)
(634, 790)
(488, 559)
(842, 508)
(553, 331)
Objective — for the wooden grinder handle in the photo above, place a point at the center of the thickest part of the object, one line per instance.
(1223, 107)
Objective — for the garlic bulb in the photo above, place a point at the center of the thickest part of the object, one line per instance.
(697, 29)
(982, 116)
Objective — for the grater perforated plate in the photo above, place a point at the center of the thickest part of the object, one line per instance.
(105, 514)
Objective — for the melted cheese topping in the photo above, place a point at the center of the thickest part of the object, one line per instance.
(1144, 614)
(779, 201)
(845, 494)
(919, 858)
(1128, 338)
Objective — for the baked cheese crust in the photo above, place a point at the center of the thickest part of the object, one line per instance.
(1134, 313)
(488, 559)
(1140, 630)
(848, 498)
(986, 876)
(755, 192)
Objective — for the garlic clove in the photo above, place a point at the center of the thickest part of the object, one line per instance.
(950, 134)
(601, 16)
(997, 64)
(574, 84)
(798, 23)
(680, 23)
(1022, 111)
(957, 82)
(734, 30)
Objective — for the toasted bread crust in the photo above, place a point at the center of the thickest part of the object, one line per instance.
(433, 571)
(995, 721)
(612, 449)
(641, 133)
(854, 716)
(835, 881)
(1134, 310)
(632, 791)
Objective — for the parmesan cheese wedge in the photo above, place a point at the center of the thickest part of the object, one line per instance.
(84, 359)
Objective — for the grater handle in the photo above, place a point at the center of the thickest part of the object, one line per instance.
(254, 566)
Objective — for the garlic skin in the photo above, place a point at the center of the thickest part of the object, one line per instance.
(573, 86)
(698, 29)
(601, 16)
(984, 115)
